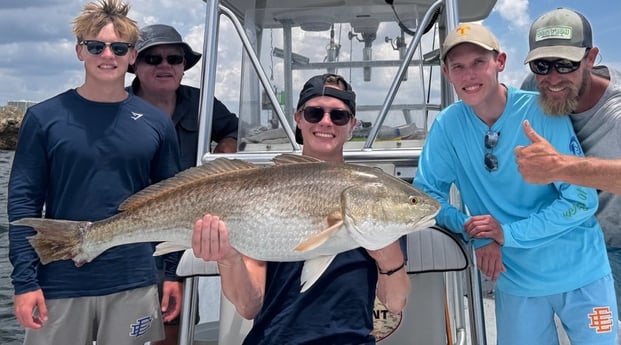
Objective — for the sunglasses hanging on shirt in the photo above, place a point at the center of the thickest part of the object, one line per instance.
(490, 160)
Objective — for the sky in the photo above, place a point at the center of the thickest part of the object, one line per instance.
(38, 61)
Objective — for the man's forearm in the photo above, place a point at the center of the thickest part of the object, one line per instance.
(243, 284)
(598, 173)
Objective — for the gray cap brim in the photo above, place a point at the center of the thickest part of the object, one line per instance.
(558, 52)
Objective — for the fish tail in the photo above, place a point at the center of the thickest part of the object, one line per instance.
(56, 239)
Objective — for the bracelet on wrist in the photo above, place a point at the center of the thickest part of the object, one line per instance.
(393, 271)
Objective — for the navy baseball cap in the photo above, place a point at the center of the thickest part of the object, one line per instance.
(320, 85)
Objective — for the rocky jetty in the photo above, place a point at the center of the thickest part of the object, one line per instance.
(10, 120)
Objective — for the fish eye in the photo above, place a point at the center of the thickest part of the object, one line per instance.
(413, 200)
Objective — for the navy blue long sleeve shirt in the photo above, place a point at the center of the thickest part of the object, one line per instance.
(81, 159)
(224, 124)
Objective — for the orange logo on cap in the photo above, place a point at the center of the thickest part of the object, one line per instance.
(462, 29)
(601, 320)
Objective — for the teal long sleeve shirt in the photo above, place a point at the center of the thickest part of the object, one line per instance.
(553, 242)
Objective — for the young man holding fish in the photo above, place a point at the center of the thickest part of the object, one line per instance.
(338, 308)
(541, 242)
(80, 154)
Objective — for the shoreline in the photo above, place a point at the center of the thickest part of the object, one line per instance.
(10, 121)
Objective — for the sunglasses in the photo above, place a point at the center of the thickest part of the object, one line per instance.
(562, 66)
(490, 160)
(97, 47)
(155, 60)
(339, 117)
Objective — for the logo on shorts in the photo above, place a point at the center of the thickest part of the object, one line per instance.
(601, 320)
(141, 326)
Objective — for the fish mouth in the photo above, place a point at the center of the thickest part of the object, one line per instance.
(425, 222)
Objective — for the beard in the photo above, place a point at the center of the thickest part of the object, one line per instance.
(552, 105)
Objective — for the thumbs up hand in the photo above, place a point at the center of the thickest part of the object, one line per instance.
(532, 135)
(538, 161)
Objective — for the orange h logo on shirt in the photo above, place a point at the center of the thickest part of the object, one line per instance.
(601, 320)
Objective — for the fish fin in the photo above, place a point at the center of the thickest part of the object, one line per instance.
(335, 217)
(313, 269)
(290, 158)
(56, 239)
(186, 178)
(320, 238)
(190, 265)
(169, 247)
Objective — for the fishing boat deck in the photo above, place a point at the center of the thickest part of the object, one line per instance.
(395, 68)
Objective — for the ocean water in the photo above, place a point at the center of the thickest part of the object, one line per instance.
(11, 333)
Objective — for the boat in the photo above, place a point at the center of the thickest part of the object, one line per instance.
(389, 51)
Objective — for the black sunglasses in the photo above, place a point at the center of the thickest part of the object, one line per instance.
(339, 117)
(155, 60)
(562, 66)
(490, 160)
(97, 47)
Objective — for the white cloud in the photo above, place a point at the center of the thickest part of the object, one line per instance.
(38, 58)
(515, 12)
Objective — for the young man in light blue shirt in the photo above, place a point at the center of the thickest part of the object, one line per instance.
(541, 243)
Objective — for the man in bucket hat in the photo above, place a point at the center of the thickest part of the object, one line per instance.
(562, 59)
(159, 34)
(163, 56)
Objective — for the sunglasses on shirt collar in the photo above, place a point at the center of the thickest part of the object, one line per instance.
(97, 47)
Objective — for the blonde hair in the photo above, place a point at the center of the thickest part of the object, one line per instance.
(96, 15)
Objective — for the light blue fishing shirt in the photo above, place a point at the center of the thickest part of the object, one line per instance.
(553, 242)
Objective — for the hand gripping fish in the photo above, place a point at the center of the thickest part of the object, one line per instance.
(298, 209)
